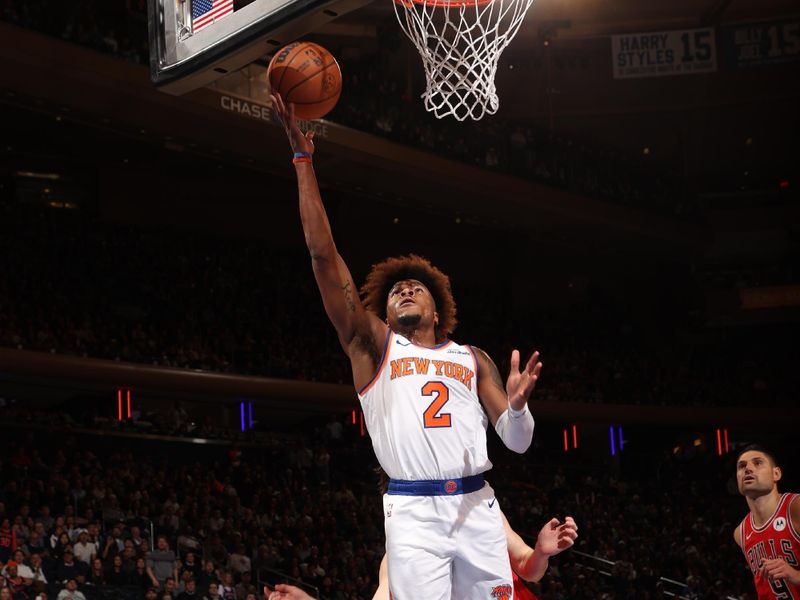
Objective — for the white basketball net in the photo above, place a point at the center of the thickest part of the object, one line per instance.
(460, 45)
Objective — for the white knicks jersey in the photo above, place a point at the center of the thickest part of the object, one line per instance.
(423, 413)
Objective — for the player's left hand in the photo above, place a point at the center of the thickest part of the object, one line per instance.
(777, 568)
(555, 537)
(520, 384)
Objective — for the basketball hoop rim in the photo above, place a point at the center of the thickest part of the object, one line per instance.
(442, 3)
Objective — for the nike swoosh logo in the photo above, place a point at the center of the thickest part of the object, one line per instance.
(399, 343)
(748, 536)
(491, 504)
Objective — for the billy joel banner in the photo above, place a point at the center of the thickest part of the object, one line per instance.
(761, 44)
(662, 53)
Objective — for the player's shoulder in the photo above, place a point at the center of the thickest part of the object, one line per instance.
(739, 530)
(737, 534)
(793, 506)
(481, 355)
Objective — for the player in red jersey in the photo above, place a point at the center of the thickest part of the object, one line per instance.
(769, 535)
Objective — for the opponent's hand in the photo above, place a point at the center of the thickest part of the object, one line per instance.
(520, 384)
(777, 568)
(285, 592)
(555, 537)
(300, 142)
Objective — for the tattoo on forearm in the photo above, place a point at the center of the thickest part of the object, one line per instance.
(347, 288)
(493, 372)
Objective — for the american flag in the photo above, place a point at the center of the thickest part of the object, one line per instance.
(205, 12)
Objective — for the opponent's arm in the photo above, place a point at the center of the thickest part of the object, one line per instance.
(531, 564)
(507, 406)
(339, 292)
(382, 593)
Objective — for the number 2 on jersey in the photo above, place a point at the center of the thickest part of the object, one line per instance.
(431, 416)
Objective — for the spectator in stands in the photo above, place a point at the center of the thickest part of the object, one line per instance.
(97, 575)
(70, 591)
(61, 542)
(213, 592)
(13, 581)
(226, 589)
(116, 575)
(170, 587)
(68, 568)
(207, 576)
(239, 562)
(138, 541)
(83, 549)
(161, 562)
(34, 573)
(18, 559)
(191, 564)
(114, 543)
(128, 557)
(5, 593)
(8, 540)
(35, 543)
(139, 576)
(94, 534)
(190, 593)
(245, 586)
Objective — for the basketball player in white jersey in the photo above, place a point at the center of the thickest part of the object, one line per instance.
(427, 402)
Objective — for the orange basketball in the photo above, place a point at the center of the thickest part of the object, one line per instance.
(307, 75)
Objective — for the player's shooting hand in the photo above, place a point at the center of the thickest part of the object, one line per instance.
(555, 537)
(285, 592)
(777, 568)
(300, 142)
(520, 384)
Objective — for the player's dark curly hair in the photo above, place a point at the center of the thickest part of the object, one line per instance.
(384, 275)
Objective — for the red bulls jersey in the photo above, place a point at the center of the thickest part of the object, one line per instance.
(521, 592)
(777, 538)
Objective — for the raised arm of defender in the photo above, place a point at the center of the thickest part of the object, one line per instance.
(353, 323)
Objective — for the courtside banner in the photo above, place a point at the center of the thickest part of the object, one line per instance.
(760, 44)
(661, 53)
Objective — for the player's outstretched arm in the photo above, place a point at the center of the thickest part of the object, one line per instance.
(507, 406)
(531, 563)
(339, 292)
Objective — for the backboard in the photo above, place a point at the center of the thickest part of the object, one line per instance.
(195, 42)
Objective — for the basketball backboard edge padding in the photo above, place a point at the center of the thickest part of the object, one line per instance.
(252, 32)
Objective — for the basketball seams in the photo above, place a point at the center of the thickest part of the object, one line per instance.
(288, 64)
(309, 78)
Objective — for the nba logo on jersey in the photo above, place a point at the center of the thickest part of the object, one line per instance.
(502, 592)
(779, 524)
